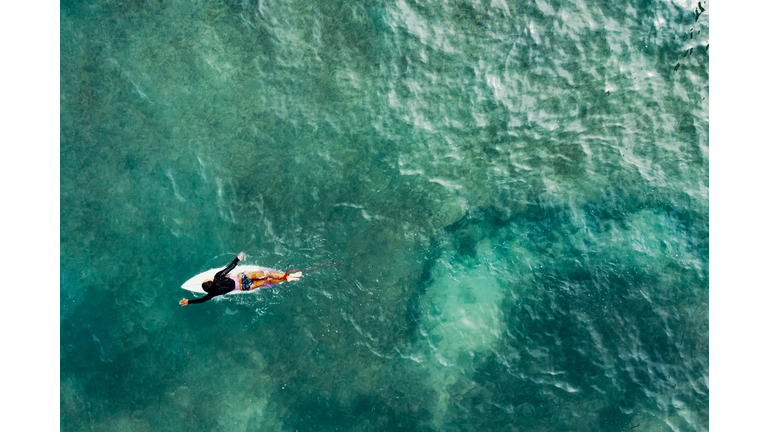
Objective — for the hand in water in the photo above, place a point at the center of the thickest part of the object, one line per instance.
(241, 256)
(184, 302)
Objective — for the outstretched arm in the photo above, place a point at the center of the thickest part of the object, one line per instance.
(207, 297)
(230, 267)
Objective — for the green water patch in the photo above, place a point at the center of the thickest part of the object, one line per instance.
(606, 316)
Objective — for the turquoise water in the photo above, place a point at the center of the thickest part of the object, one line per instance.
(518, 194)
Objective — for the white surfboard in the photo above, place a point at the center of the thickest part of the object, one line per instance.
(196, 283)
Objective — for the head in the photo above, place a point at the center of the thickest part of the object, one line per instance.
(207, 286)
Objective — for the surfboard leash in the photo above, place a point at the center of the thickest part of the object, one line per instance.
(285, 277)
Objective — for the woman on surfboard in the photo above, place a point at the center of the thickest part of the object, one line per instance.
(223, 283)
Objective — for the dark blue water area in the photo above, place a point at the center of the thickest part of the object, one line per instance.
(517, 194)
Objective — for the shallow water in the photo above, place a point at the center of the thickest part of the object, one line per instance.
(518, 194)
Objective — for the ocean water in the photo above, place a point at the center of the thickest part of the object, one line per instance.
(517, 193)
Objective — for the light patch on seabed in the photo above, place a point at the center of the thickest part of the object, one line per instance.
(657, 241)
(463, 322)
(246, 407)
(241, 415)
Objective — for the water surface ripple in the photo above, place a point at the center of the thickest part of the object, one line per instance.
(518, 194)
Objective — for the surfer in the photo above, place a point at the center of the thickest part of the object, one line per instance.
(223, 283)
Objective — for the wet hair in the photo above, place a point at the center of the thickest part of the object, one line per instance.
(207, 285)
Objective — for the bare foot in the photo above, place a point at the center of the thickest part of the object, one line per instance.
(294, 277)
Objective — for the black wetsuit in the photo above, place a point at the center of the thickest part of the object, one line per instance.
(221, 284)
